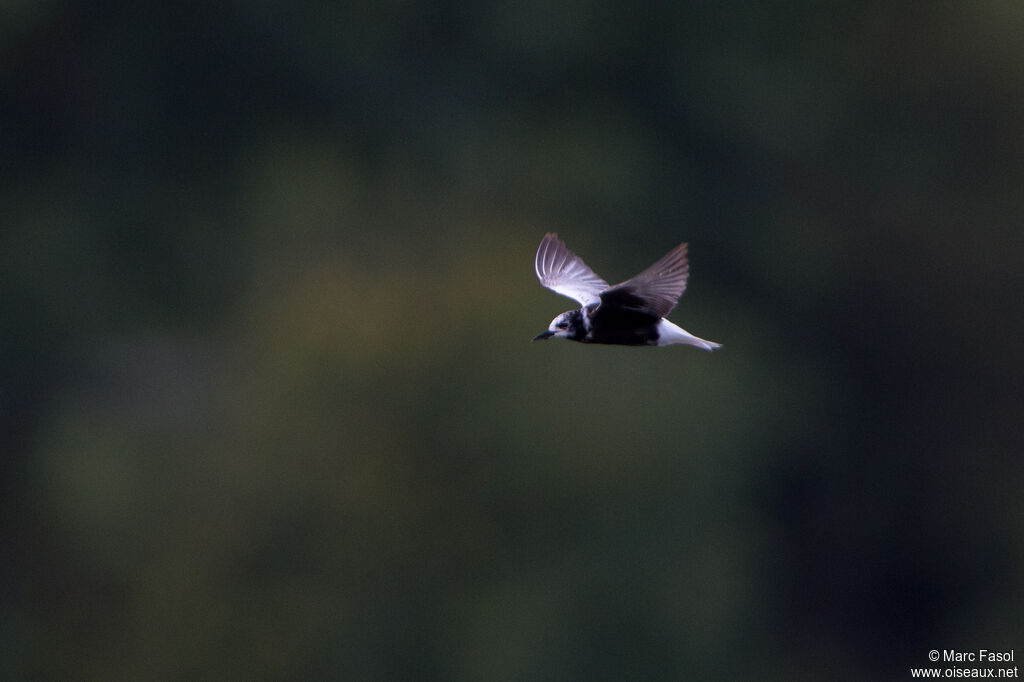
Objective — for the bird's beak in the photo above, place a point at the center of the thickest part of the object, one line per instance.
(544, 335)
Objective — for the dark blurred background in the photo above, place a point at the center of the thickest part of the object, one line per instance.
(268, 405)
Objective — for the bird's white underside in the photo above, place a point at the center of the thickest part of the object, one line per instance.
(670, 333)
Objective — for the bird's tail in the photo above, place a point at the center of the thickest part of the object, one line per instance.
(670, 333)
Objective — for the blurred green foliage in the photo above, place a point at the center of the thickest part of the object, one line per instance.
(269, 408)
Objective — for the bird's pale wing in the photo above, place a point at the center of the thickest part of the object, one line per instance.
(656, 289)
(562, 271)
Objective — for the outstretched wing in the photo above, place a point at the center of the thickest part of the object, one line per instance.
(562, 271)
(656, 289)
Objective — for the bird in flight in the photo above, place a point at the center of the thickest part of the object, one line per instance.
(631, 313)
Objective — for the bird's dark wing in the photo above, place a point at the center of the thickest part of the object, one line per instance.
(562, 271)
(656, 289)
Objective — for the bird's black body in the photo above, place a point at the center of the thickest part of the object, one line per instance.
(620, 325)
(608, 323)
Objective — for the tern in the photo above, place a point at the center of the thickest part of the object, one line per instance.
(630, 314)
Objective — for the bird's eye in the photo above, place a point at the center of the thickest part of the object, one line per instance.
(562, 325)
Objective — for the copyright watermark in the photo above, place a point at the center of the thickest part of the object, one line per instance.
(969, 664)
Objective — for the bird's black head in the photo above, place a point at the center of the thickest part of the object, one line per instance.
(568, 325)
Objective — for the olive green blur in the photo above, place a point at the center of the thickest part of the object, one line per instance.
(269, 409)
